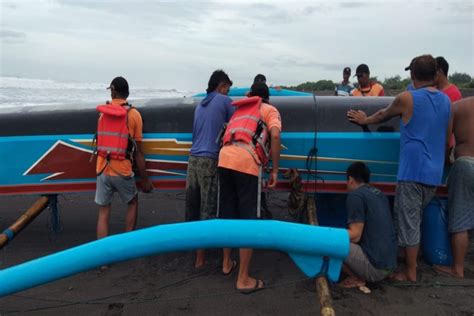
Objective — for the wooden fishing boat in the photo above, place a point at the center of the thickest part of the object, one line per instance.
(49, 149)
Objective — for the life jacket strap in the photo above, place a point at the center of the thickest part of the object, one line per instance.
(110, 149)
(121, 135)
(259, 191)
(250, 148)
(246, 117)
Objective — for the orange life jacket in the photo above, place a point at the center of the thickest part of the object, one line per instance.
(247, 129)
(113, 135)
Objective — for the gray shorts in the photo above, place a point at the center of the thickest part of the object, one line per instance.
(358, 263)
(461, 195)
(107, 185)
(410, 200)
(201, 189)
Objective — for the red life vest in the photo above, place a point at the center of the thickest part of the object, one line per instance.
(247, 129)
(112, 131)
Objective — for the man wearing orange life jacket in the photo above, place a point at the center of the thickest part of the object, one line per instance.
(366, 87)
(241, 159)
(119, 126)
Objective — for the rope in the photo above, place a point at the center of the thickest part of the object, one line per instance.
(54, 220)
(97, 301)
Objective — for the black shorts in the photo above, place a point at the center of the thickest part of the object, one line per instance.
(238, 195)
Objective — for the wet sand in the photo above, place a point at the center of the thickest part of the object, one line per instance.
(169, 285)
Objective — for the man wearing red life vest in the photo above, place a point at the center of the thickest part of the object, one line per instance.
(244, 153)
(119, 126)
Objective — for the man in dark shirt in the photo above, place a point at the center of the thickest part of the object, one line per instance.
(373, 249)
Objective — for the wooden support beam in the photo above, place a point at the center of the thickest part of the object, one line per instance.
(322, 287)
(23, 221)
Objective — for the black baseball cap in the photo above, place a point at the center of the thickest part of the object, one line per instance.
(347, 70)
(362, 69)
(119, 84)
(411, 64)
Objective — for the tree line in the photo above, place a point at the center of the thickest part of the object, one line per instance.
(462, 80)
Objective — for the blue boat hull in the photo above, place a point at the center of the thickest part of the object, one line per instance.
(52, 153)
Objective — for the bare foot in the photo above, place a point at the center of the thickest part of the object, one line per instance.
(351, 282)
(199, 263)
(448, 271)
(402, 277)
(229, 268)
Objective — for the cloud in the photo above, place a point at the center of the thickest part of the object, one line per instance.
(8, 36)
(356, 4)
(178, 44)
(11, 34)
(297, 62)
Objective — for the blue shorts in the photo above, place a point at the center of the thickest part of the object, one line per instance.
(107, 185)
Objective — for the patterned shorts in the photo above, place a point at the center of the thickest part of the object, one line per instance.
(461, 195)
(410, 200)
(201, 189)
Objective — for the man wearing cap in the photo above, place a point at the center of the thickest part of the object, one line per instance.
(115, 175)
(345, 87)
(425, 129)
(410, 85)
(366, 87)
(442, 81)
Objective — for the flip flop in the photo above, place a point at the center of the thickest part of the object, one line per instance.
(234, 265)
(254, 289)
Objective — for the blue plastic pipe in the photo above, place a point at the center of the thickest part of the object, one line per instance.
(314, 249)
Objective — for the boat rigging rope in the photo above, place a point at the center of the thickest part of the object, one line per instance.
(97, 301)
(54, 219)
(312, 157)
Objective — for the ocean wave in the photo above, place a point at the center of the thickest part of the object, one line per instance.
(16, 92)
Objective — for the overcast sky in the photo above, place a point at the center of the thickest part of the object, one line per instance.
(178, 44)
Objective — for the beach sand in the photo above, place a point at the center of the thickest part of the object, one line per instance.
(169, 285)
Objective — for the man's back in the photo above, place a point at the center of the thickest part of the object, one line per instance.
(423, 138)
(237, 158)
(463, 127)
(209, 117)
(370, 206)
(135, 127)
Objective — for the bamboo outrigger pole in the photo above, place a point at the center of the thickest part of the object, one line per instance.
(322, 288)
(23, 221)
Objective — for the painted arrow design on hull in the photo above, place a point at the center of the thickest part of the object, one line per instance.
(65, 161)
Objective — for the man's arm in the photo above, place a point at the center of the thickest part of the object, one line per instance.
(355, 207)
(450, 141)
(355, 231)
(397, 108)
(275, 144)
(141, 165)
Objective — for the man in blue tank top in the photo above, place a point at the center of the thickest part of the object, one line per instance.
(425, 129)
